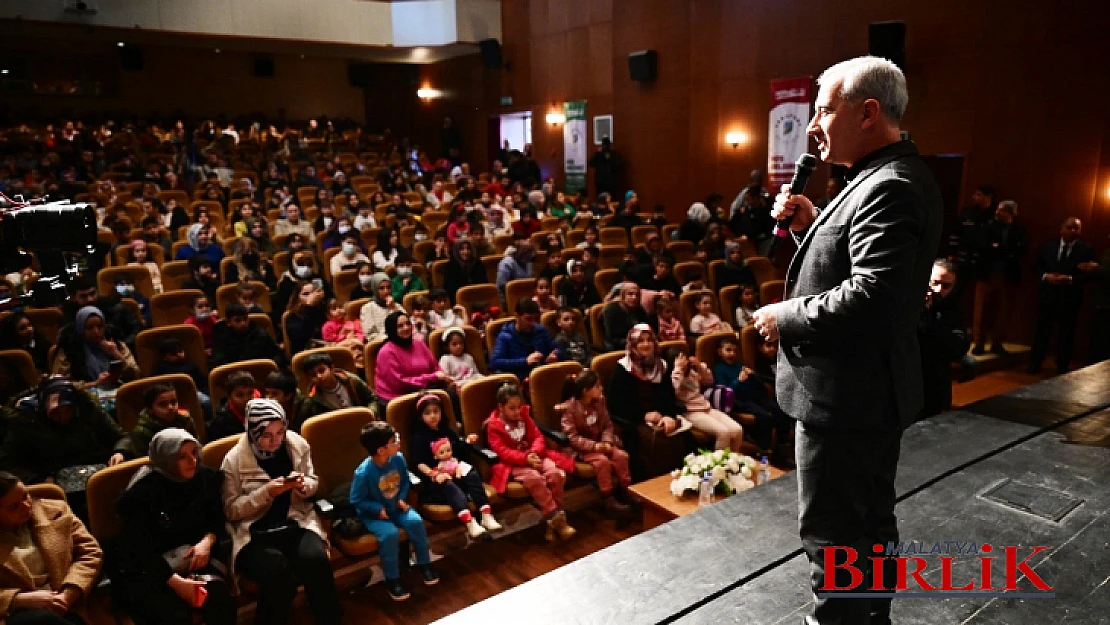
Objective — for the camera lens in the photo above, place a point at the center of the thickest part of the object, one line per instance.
(50, 228)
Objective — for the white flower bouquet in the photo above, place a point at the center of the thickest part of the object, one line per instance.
(729, 472)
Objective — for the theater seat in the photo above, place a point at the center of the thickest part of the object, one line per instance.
(259, 368)
(341, 358)
(147, 343)
(130, 400)
(472, 344)
(102, 493)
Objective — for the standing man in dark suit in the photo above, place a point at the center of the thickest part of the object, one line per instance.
(849, 366)
(1002, 244)
(1060, 293)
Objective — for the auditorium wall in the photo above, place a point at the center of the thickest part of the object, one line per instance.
(1015, 87)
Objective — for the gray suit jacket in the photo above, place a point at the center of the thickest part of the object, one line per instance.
(848, 355)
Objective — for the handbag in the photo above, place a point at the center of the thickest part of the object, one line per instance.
(720, 397)
(74, 479)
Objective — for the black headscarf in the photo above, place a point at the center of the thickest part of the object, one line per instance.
(391, 330)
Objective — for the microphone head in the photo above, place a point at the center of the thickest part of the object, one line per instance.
(806, 161)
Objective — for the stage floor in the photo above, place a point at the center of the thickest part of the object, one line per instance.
(739, 561)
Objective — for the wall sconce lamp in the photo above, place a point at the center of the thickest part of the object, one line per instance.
(427, 93)
(736, 138)
(555, 118)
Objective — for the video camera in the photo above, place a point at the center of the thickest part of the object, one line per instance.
(52, 235)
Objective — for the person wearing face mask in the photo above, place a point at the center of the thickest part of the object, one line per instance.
(363, 289)
(350, 253)
(405, 281)
(125, 287)
(342, 229)
(302, 269)
(518, 264)
(200, 244)
(326, 218)
(203, 277)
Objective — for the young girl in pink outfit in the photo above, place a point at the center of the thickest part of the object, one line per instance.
(670, 327)
(338, 330)
(706, 320)
(689, 376)
(543, 296)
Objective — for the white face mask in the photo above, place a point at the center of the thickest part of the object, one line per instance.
(420, 236)
(125, 289)
(202, 314)
(304, 271)
(343, 229)
(349, 249)
(404, 271)
(365, 281)
(327, 221)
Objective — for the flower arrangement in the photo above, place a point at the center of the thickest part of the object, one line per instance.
(729, 472)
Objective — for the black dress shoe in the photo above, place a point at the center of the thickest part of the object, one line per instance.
(999, 349)
(978, 350)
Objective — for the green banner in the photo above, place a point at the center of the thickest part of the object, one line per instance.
(574, 145)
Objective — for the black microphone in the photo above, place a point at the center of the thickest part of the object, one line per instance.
(803, 168)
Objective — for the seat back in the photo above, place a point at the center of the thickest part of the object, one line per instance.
(761, 268)
(472, 344)
(711, 274)
(470, 295)
(341, 358)
(370, 360)
(749, 346)
(343, 283)
(103, 491)
(597, 329)
(438, 267)
(173, 307)
(615, 236)
(478, 400)
(491, 262)
(217, 379)
(685, 271)
(336, 450)
(771, 291)
(130, 401)
(226, 294)
(546, 388)
(682, 250)
(604, 365)
(354, 309)
(174, 274)
(147, 342)
(516, 290)
(493, 328)
(213, 453)
(640, 234)
(106, 279)
(400, 415)
(604, 280)
(46, 491)
(47, 321)
(19, 362)
(611, 255)
(729, 300)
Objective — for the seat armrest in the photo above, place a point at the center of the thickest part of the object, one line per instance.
(555, 436)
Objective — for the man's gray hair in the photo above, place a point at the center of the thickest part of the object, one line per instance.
(946, 265)
(1008, 205)
(870, 77)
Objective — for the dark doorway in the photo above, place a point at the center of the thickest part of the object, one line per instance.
(948, 169)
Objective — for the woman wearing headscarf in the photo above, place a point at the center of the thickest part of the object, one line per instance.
(374, 313)
(406, 365)
(693, 229)
(277, 539)
(640, 395)
(734, 271)
(49, 562)
(88, 350)
(17, 332)
(576, 290)
(303, 268)
(464, 268)
(653, 246)
(200, 242)
(619, 317)
(172, 518)
(497, 225)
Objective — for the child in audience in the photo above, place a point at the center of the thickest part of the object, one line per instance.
(281, 386)
(244, 293)
(585, 421)
(429, 431)
(230, 417)
(524, 456)
(125, 286)
(690, 377)
(443, 315)
(365, 273)
(749, 395)
(571, 343)
(482, 315)
(543, 297)
(589, 262)
(121, 230)
(766, 361)
(749, 303)
(457, 363)
(204, 320)
(591, 235)
(331, 388)
(140, 255)
(162, 411)
(696, 283)
(706, 320)
(343, 332)
(419, 319)
(378, 492)
(670, 327)
(237, 338)
(554, 267)
(405, 281)
(173, 360)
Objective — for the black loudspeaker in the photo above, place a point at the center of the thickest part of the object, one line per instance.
(263, 67)
(641, 65)
(491, 53)
(888, 40)
(359, 74)
(131, 58)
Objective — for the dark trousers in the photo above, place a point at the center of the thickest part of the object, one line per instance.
(456, 493)
(42, 617)
(1060, 313)
(158, 604)
(846, 499)
(769, 419)
(278, 564)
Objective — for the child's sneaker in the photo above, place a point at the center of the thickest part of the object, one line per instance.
(429, 575)
(490, 523)
(396, 590)
(474, 530)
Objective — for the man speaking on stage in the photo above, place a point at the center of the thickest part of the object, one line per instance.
(849, 368)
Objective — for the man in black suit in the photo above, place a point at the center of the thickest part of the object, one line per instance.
(849, 366)
(1060, 294)
(1002, 244)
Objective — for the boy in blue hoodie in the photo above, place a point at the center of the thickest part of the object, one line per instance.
(378, 492)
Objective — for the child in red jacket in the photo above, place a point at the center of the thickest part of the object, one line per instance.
(524, 455)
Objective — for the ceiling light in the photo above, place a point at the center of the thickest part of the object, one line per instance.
(120, 44)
